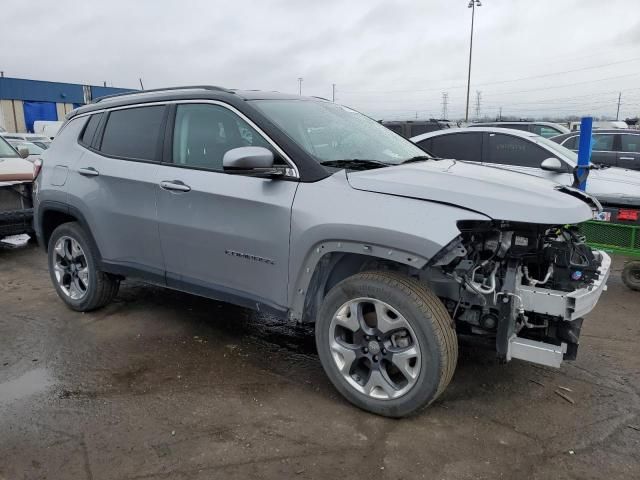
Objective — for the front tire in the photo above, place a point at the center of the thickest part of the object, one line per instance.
(631, 275)
(73, 268)
(386, 342)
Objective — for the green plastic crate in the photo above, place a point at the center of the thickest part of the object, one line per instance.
(612, 237)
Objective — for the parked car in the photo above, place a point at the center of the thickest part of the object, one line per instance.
(39, 140)
(544, 129)
(411, 128)
(307, 208)
(33, 150)
(605, 124)
(613, 147)
(532, 154)
(16, 182)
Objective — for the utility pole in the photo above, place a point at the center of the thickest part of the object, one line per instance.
(445, 102)
(618, 111)
(333, 92)
(478, 98)
(300, 86)
(472, 5)
(500, 115)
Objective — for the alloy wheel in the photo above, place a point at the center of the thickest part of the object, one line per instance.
(71, 268)
(374, 348)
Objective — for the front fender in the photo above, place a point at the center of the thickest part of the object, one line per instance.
(330, 216)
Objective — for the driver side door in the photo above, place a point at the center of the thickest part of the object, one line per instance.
(521, 155)
(224, 236)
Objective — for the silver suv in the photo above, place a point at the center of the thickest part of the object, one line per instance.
(310, 209)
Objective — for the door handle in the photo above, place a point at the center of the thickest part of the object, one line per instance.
(174, 185)
(626, 158)
(88, 172)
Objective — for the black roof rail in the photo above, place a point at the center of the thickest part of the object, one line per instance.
(166, 89)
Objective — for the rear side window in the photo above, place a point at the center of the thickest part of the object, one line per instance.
(630, 143)
(510, 150)
(133, 133)
(545, 131)
(89, 132)
(461, 146)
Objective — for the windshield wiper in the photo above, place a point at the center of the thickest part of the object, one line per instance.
(419, 158)
(354, 164)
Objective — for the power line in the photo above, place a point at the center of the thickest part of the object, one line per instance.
(497, 82)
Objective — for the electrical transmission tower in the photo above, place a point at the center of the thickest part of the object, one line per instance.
(478, 99)
(445, 103)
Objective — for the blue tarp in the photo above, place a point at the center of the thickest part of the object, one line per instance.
(38, 111)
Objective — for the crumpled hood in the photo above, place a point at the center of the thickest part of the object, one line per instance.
(497, 193)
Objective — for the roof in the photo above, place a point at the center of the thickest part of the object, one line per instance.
(626, 131)
(190, 92)
(449, 131)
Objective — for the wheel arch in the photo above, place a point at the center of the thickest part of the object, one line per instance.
(53, 214)
(332, 261)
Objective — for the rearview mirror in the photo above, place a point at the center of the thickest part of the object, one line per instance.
(552, 164)
(23, 152)
(250, 160)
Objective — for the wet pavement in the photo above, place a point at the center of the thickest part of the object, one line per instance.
(164, 385)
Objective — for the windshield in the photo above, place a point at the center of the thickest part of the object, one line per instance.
(6, 150)
(330, 132)
(566, 154)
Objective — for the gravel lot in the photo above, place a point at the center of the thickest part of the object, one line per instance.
(166, 385)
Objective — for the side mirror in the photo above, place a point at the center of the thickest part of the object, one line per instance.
(250, 161)
(552, 164)
(23, 152)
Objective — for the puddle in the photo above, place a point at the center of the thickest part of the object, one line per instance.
(33, 381)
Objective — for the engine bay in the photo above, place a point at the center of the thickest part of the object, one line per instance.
(494, 264)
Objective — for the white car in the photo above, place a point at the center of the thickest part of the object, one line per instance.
(16, 184)
(529, 153)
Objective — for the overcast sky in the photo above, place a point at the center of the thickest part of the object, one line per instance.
(389, 59)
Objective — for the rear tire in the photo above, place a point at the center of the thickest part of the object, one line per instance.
(631, 275)
(73, 268)
(386, 342)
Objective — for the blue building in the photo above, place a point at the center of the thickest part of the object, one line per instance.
(23, 101)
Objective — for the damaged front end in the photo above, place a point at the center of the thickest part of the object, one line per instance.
(523, 287)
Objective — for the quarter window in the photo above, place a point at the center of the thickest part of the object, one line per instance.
(630, 143)
(571, 143)
(204, 133)
(460, 146)
(133, 133)
(510, 150)
(90, 130)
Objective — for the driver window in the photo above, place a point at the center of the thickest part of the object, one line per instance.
(204, 133)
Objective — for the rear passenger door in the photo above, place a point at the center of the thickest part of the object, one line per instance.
(112, 184)
(629, 151)
(223, 235)
(460, 146)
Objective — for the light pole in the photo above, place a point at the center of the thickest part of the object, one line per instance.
(472, 5)
(300, 86)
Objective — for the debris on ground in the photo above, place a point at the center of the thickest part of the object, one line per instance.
(565, 396)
